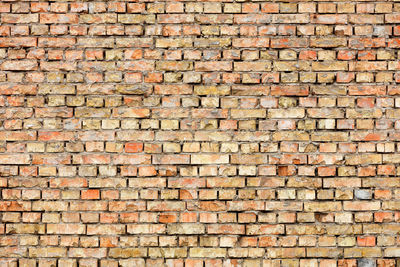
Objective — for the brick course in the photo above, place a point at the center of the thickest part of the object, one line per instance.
(199, 133)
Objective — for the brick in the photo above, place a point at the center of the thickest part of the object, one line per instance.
(56, 42)
(322, 207)
(127, 252)
(58, 65)
(176, 18)
(212, 42)
(329, 66)
(145, 229)
(328, 90)
(250, 42)
(171, 159)
(213, 66)
(364, 159)
(124, 42)
(225, 182)
(282, 113)
(226, 229)
(209, 159)
(22, 65)
(19, 18)
(290, 90)
(286, 252)
(250, 90)
(133, 89)
(329, 19)
(135, 18)
(131, 159)
(328, 42)
(18, 41)
(17, 89)
(361, 252)
(15, 252)
(252, 19)
(248, 113)
(366, 19)
(252, 66)
(51, 252)
(95, 42)
(131, 113)
(187, 228)
(45, 89)
(109, 229)
(249, 159)
(365, 113)
(87, 252)
(166, 206)
(367, 90)
(66, 229)
(174, 66)
(15, 159)
(58, 18)
(207, 252)
(324, 252)
(289, 42)
(98, 18)
(199, 133)
(264, 229)
(291, 66)
(211, 90)
(56, 136)
(391, 252)
(290, 18)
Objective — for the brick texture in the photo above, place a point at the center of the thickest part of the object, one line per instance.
(199, 133)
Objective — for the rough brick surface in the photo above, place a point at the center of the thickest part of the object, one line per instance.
(199, 133)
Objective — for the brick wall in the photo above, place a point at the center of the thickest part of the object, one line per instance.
(197, 133)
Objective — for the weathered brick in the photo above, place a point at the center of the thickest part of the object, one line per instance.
(65, 89)
(286, 113)
(250, 42)
(174, 66)
(20, 65)
(264, 229)
(186, 229)
(145, 229)
(329, 66)
(15, 159)
(50, 252)
(248, 113)
(328, 42)
(66, 229)
(56, 42)
(367, 90)
(290, 90)
(58, 18)
(209, 159)
(211, 90)
(364, 159)
(19, 18)
(252, 66)
(135, 18)
(207, 252)
(213, 66)
(131, 159)
(87, 252)
(127, 252)
(195, 133)
(18, 41)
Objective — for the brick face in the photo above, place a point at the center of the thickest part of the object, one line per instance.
(198, 133)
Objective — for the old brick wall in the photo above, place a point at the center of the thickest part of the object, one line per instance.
(199, 133)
